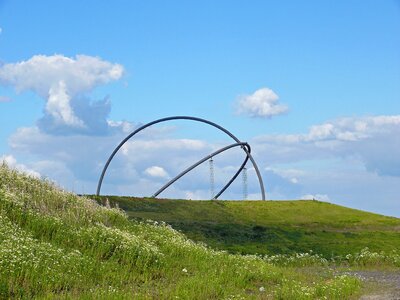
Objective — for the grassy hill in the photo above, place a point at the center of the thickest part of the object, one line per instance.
(270, 227)
(56, 245)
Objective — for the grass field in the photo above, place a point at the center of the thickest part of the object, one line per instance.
(54, 244)
(270, 227)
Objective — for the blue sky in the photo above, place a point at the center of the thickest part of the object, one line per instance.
(324, 122)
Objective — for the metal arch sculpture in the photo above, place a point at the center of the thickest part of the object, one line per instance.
(246, 148)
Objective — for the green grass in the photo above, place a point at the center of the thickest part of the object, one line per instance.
(54, 244)
(270, 227)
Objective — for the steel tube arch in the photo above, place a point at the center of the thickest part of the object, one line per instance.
(180, 118)
(183, 173)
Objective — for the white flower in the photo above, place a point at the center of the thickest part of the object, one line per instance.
(184, 270)
(262, 289)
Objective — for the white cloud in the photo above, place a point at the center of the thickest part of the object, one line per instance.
(40, 73)
(156, 171)
(353, 129)
(11, 161)
(373, 140)
(58, 106)
(345, 129)
(319, 132)
(263, 103)
(63, 82)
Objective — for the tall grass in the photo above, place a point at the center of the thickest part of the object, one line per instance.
(54, 244)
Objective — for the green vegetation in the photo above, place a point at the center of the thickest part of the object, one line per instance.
(271, 227)
(54, 244)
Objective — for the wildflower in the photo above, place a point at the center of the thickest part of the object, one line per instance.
(184, 270)
(262, 289)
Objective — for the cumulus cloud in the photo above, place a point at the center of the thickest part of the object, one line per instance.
(63, 82)
(372, 139)
(263, 103)
(58, 106)
(41, 73)
(156, 171)
(11, 161)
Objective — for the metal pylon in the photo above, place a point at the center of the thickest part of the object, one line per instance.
(212, 183)
(244, 179)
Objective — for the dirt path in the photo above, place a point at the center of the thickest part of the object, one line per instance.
(388, 284)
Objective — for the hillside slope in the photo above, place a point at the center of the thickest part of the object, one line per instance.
(270, 227)
(54, 244)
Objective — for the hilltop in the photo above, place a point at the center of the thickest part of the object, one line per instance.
(270, 227)
(54, 244)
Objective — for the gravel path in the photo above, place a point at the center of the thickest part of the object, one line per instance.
(388, 282)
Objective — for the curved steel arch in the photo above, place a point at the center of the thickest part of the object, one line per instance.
(183, 173)
(181, 118)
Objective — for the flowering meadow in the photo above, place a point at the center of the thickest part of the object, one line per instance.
(54, 244)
